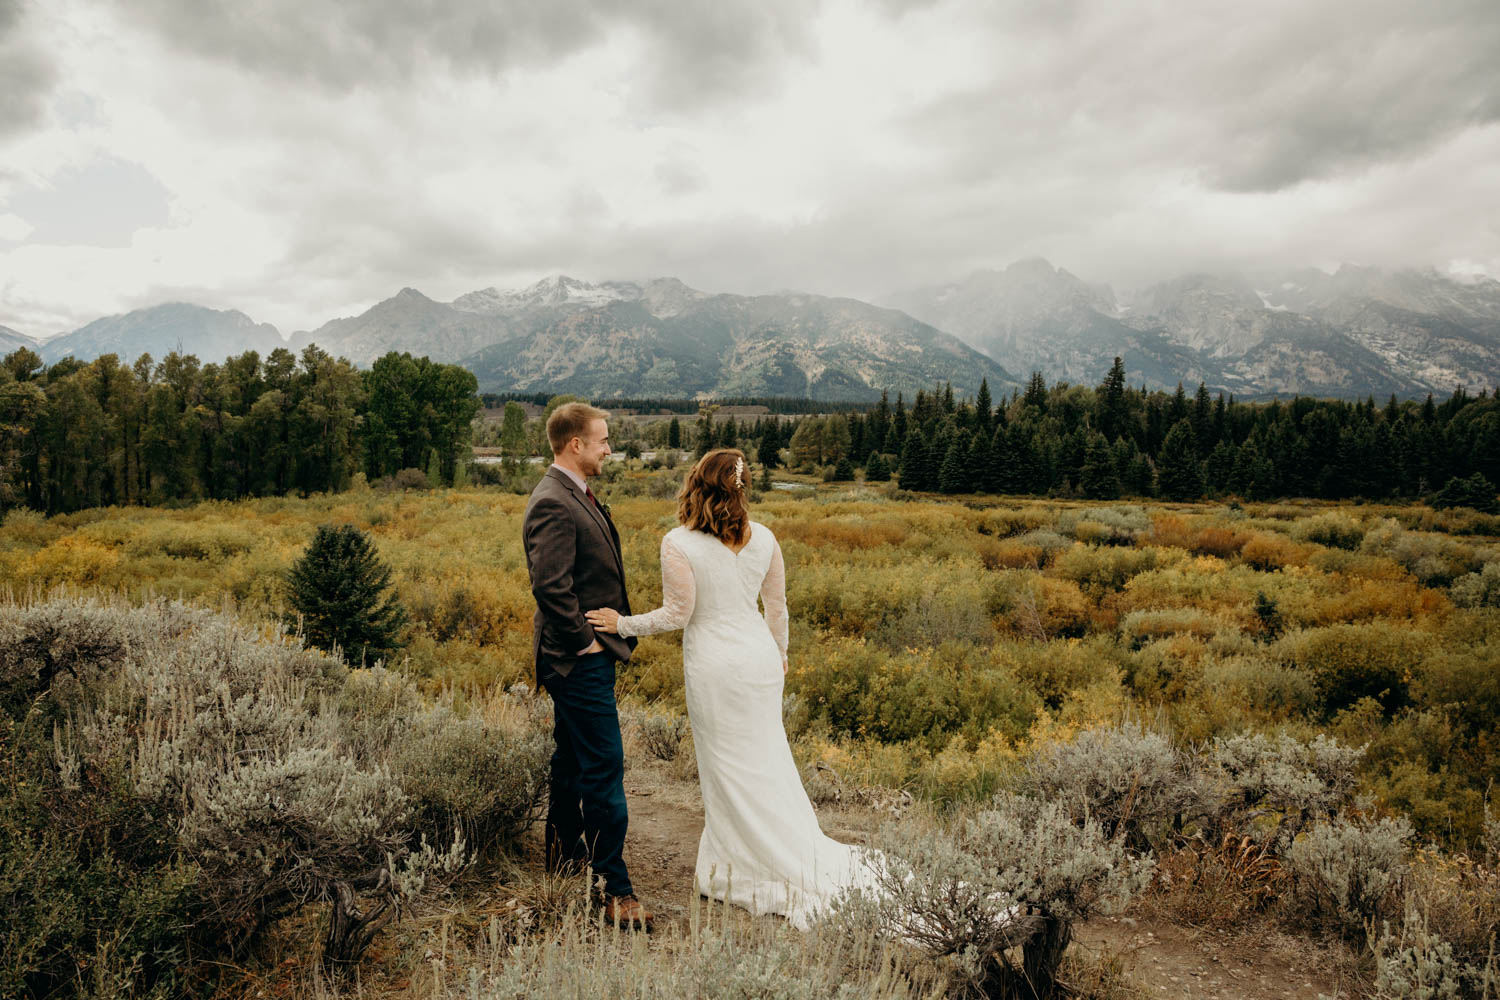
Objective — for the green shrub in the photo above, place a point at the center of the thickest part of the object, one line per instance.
(487, 781)
(213, 777)
(1055, 670)
(1272, 689)
(1348, 875)
(1100, 570)
(916, 695)
(1474, 491)
(1335, 530)
(936, 617)
(82, 913)
(1351, 662)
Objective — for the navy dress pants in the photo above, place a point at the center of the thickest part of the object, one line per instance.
(586, 812)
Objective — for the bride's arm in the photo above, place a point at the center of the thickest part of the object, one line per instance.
(677, 595)
(773, 596)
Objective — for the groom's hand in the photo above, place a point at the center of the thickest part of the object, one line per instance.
(604, 620)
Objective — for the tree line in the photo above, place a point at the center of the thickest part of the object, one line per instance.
(76, 434)
(1113, 439)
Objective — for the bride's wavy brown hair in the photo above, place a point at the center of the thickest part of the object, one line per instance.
(711, 502)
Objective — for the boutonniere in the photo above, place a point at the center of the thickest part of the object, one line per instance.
(605, 507)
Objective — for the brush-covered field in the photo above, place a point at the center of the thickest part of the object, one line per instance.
(932, 639)
(945, 650)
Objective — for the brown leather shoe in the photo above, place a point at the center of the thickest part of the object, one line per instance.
(627, 910)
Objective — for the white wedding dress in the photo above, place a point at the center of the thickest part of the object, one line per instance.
(761, 848)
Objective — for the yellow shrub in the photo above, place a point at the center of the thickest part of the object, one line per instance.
(1267, 552)
(72, 559)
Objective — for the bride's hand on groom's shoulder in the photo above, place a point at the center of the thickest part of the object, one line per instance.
(604, 619)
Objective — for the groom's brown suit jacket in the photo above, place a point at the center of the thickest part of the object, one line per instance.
(573, 556)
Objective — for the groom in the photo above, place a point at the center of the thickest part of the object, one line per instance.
(573, 557)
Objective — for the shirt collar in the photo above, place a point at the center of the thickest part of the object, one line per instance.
(573, 476)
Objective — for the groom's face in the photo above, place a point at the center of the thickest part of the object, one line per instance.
(593, 447)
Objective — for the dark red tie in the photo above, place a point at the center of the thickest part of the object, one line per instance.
(590, 494)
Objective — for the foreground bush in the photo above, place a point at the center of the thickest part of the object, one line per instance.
(1017, 875)
(176, 781)
(1131, 781)
(1412, 962)
(1274, 788)
(1350, 874)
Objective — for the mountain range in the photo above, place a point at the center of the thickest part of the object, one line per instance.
(662, 338)
(1355, 332)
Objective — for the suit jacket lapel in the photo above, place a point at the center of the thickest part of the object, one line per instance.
(598, 514)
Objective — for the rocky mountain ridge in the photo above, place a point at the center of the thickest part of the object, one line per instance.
(1354, 332)
(663, 338)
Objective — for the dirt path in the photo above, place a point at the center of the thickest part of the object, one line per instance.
(1166, 960)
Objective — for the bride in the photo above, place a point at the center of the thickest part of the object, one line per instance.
(761, 848)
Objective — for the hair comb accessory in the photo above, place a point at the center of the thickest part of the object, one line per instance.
(739, 473)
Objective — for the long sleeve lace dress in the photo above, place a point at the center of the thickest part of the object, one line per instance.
(761, 847)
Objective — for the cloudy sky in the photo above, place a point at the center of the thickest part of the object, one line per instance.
(302, 159)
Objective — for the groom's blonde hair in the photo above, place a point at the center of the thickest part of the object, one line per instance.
(712, 501)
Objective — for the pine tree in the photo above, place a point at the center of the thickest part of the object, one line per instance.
(843, 470)
(876, 469)
(1097, 479)
(1005, 473)
(1177, 474)
(336, 588)
(984, 418)
(953, 474)
(897, 436)
(914, 462)
(1110, 413)
(1178, 408)
(1036, 391)
(1219, 466)
(769, 454)
(674, 434)
(976, 463)
(705, 433)
(880, 424)
(1203, 417)
(1138, 475)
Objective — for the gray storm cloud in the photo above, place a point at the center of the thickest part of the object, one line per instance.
(696, 51)
(25, 74)
(384, 143)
